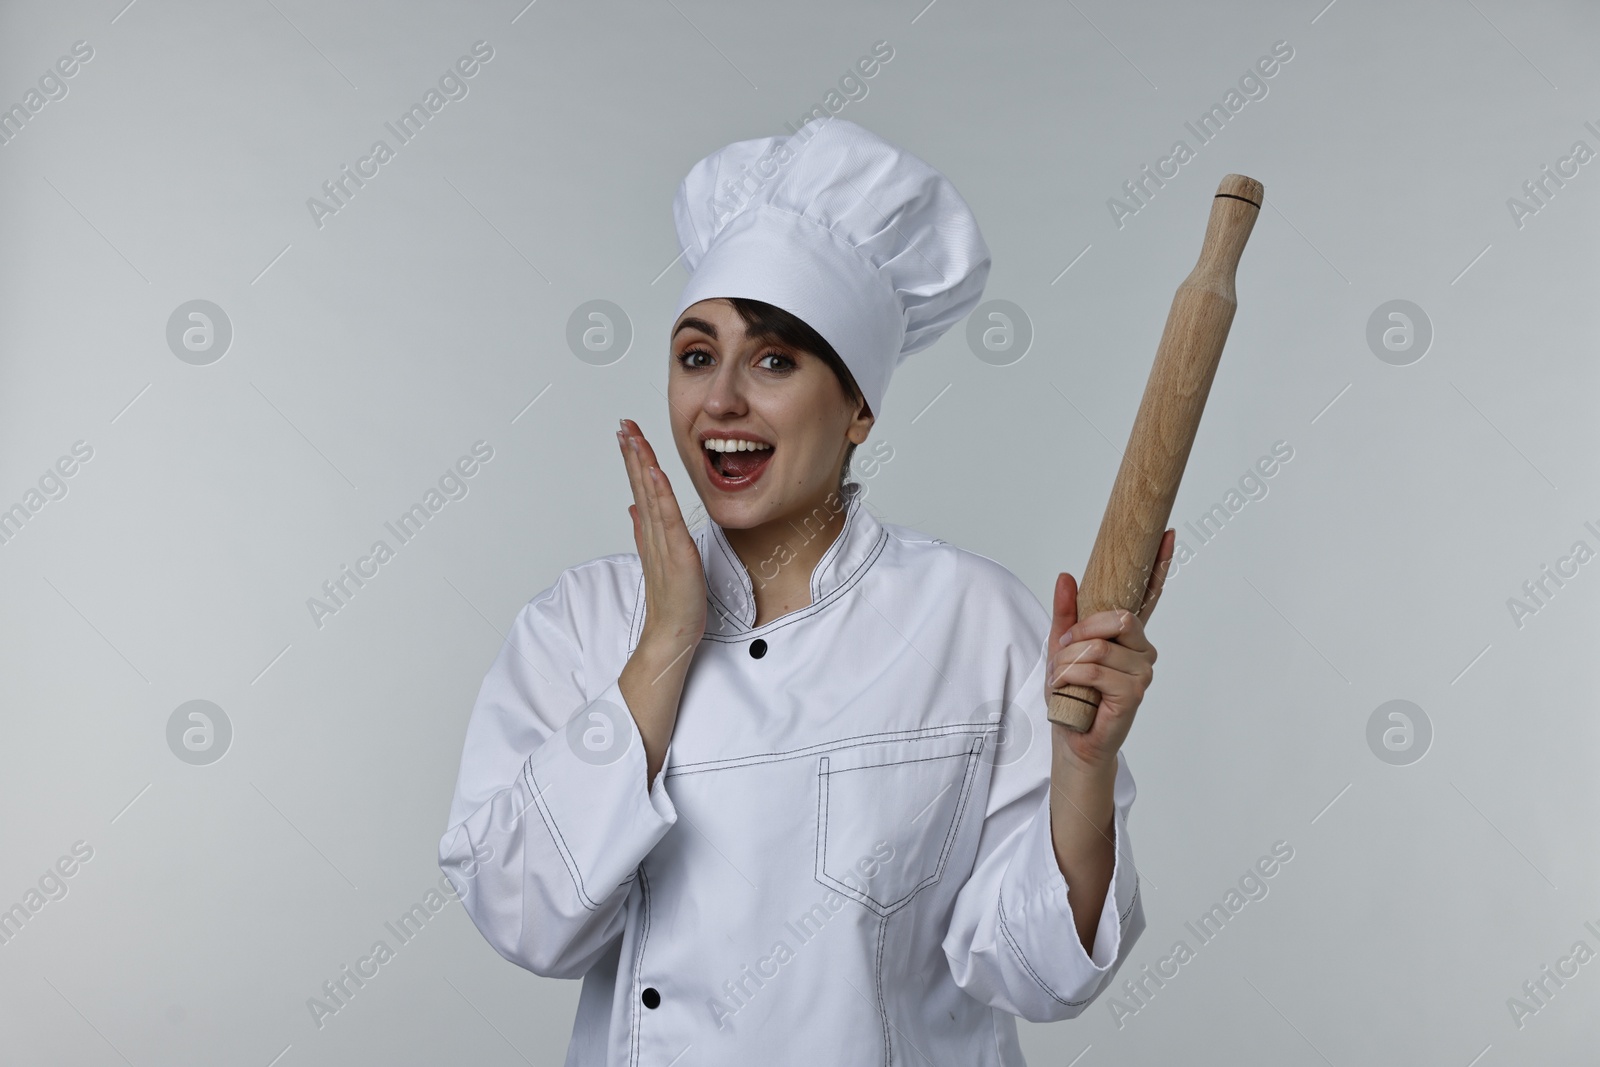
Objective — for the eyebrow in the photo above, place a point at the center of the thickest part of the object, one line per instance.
(710, 331)
(699, 324)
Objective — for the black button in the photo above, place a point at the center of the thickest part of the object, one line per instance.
(651, 998)
(758, 648)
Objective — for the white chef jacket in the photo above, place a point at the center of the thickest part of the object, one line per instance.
(846, 857)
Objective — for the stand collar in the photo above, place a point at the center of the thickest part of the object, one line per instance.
(730, 591)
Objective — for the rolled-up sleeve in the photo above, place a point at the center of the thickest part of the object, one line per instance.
(551, 815)
(1012, 941)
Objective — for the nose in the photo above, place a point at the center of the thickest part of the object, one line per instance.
(725, 397)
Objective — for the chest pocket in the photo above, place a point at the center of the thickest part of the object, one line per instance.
(888, 814)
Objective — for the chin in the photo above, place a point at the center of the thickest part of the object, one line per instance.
(741, 514)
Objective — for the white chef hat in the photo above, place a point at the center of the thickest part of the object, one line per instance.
(864, 242)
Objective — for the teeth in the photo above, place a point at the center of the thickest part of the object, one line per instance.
(722, 444)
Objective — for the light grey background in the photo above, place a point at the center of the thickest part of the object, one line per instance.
(431, 311)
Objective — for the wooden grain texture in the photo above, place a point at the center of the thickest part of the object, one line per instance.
(1124, 553)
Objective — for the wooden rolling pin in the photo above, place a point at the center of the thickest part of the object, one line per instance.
(1136, 516)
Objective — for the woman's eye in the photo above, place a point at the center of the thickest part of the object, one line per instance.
(687, 357)
(784, 362)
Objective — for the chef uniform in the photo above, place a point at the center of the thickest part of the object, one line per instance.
(846, 857)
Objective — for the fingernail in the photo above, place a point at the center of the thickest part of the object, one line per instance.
(623, 423)
(1066, 638)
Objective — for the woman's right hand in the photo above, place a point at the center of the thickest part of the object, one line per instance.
(674, 580)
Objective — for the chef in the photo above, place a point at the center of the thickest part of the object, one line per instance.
(781, 788)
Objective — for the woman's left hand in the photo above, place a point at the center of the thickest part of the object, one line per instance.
(1107, 651)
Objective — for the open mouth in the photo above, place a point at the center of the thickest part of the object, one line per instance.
(736, 464)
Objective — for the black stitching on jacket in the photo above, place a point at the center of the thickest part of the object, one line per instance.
(726, 613)
(806, 612)
(853, 741)
(877, 979)
(560, 842)
(886, 908)
(638, 961)
(838, 542)
(1005, 931)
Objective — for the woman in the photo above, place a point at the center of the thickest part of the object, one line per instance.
(784, 784)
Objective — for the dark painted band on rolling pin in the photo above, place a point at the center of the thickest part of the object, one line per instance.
(1246, 199)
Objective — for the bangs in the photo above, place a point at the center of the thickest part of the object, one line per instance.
(768, 322)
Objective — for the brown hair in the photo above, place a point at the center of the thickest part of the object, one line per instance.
(768, 321)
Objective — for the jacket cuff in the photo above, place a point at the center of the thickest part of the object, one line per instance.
(1039, 920)
(587, 784)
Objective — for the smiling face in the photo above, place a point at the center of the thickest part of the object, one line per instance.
(777, 415)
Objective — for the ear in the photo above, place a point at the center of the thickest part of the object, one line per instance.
(861, 425)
